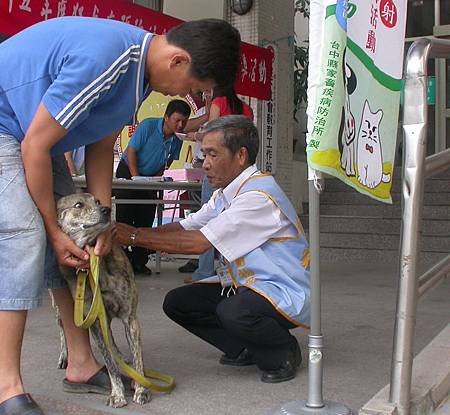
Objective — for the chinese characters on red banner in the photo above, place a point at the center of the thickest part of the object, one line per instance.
(388, 13)
(255, 73)
(47, 9)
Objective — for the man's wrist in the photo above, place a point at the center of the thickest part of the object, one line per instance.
(52, 229)
(133, 237)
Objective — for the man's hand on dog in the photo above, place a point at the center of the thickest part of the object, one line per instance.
(122, 233)
(67, 253)
(104, 243)
(70, 255)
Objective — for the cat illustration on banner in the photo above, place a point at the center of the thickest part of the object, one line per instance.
(369, 154)
(348, 125)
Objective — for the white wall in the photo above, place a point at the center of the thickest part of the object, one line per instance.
(150, 4)
(193, 9)
(272, 21)
(300, 187)
(301, 27)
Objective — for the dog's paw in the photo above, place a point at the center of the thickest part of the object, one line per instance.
(142, 396)
(116, 401)
(62, 362)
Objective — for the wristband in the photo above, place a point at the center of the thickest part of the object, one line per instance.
(133, 237)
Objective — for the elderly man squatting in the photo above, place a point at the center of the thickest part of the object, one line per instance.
(262, 290)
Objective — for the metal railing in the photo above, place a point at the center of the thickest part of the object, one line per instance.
(416, 167)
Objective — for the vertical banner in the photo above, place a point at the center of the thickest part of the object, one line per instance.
(269, 123)
(355, 71)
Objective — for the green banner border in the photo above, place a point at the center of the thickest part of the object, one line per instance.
(384, 79)
(330, 11)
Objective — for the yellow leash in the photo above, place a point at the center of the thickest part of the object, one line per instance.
(97, 310)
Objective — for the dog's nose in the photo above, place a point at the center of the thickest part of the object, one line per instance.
(106, 211)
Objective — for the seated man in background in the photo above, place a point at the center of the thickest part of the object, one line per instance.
(262, 289)
(75, 161)
(151, 150)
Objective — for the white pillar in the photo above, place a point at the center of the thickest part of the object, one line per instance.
(273, 21)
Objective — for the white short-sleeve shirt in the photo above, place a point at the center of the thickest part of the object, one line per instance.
(245, 223)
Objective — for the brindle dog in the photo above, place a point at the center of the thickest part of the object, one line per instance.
(83, 218)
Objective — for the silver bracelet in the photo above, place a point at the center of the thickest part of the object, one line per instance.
(133, 237)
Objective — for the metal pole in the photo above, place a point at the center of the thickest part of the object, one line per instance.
(315, 403)
(415, 139)
(440, 86)
(159, 216)
(415, 121)
(437, 163)
(437, 12)
(440, 105)
(315, 362)
(434, 276)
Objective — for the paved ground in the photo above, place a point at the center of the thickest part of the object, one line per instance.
(358, 318)
(444, 409)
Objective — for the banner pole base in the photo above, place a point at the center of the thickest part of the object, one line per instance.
(300, 408)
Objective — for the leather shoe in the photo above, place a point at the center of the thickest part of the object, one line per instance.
(243, 359)
(287, 369)
(141, 269)
(189, 267)
(20, 404)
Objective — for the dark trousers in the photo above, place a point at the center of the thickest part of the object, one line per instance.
(245, 320)
(140, 216)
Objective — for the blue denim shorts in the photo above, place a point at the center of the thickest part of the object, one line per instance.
(25, 256)
(62, 186)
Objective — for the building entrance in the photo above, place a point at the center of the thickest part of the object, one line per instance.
(431, 18)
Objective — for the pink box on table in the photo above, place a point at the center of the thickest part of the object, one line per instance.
(191, 175)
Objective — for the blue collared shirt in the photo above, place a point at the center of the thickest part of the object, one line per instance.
(154, 152)
(89, 73)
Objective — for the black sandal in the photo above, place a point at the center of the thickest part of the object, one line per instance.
(22, 404)
(98, 383)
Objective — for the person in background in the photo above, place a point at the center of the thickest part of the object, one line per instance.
(201, 116)
(151, 150)
(225, 102)
(263, 286)
(75, 161)
(203, 102)
(58, 92)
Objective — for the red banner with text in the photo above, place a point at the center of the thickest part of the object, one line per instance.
(255, 72)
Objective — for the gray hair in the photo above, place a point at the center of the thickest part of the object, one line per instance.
(238, 131)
